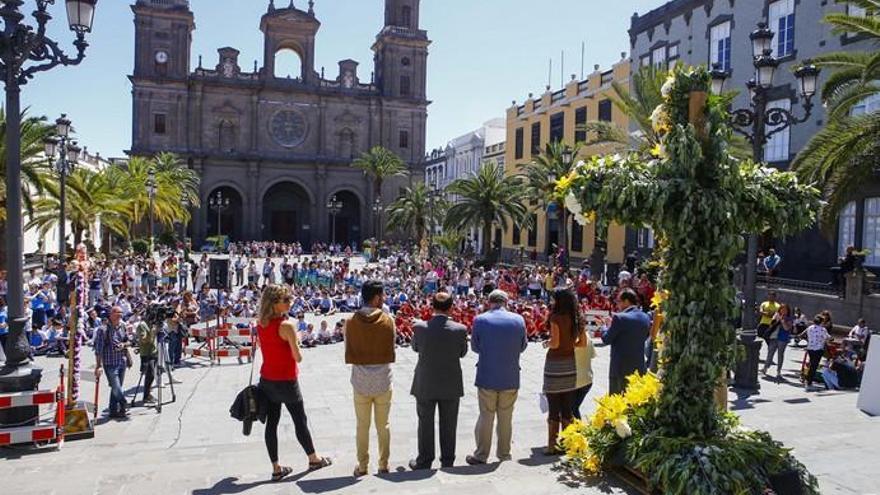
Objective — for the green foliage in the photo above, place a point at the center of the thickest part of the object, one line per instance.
(485, 199)
(140, 246)
(167, 238)
(219, 241)
(450, 241)
(699, 200)
(414, 212)
(380, 164)
(34, 168)
(844, 154)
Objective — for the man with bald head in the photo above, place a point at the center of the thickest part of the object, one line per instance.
(437, 383)
(111, 342)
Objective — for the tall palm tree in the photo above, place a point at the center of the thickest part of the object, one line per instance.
(485, 199)
(34, 130)
(380, 164)
(846, 152)
(414, 212)
(540, 176)
(90, 201)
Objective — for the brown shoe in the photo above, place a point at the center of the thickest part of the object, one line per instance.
(552, 438)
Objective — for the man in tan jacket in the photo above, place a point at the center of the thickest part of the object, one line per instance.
(369, 348)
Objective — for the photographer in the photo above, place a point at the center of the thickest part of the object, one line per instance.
(111, 354)
(146, 333)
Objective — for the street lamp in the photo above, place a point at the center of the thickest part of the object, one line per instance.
(151, 192)
(187, 204)
(752, 123)
(567, 158)
(219, 204)
(334, 206)
(377, 217)
(20, 44)
(62, 154)
(435, 194)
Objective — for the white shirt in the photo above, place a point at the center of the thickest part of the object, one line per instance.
(859, 332)
(817, 336)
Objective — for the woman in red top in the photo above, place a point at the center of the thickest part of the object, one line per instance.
(278, 377)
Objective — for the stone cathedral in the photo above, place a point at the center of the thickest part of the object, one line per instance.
(277, 136)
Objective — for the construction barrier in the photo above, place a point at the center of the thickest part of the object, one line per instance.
(223, 338)
(40, 431)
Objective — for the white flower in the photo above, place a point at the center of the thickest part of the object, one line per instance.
(657, 116)
(581, 219)
(580, 164)
(667, 86)
(572, 203)
(621, 426)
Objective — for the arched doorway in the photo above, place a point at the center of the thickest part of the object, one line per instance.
(348, 221)
(286, 215)
(229, 217)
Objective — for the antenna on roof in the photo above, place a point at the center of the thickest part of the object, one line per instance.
(583, 52)
(550, 73)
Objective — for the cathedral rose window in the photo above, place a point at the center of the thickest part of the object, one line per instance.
(288, 128)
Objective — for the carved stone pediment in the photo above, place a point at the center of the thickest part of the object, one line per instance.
(347, 118)
(227, 109)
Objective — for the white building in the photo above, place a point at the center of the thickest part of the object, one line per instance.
(463, 156)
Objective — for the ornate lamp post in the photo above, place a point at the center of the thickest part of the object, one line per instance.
(219, 204)
(19, 45)
(151, 192)
(187, 204)
(378, 209)
(567, 157)
(334, 206)
(63, 153)
(752, 123)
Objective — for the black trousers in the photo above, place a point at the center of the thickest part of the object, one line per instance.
(448, 425)
(815, 361)
(148, 368)
(288, 394)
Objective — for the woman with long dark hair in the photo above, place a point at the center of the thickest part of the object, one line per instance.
(560, 369)
(278, 377)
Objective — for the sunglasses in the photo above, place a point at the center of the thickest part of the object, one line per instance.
(286, 299)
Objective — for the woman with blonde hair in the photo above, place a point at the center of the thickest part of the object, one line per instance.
(278, 377)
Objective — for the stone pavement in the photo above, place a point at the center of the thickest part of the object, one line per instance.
(193, 446)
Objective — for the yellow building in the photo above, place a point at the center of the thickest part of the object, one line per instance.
(557, 116)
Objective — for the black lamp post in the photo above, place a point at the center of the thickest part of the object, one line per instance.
(334, 207)
(63, 153)
(567, 157)
(752, 123)
(25, 51)
(151, 192)
(378, 209)
(219, 204)
(434, 196)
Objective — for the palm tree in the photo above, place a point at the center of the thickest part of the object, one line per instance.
(380, 163)
(415, 212)
(485, 199)
(540, 176)
(90, 201)
(174, 184)
(846, 152)
(34, 131)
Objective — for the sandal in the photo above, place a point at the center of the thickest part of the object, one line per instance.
(280, 475)
(358, 473)
(322, 463)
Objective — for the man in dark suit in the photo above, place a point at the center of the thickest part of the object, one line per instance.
(627, 334)
(437, 383)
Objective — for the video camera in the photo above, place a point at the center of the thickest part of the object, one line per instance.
(156, 314)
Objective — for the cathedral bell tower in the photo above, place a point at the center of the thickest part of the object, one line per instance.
(401, 52)
(290, 29)
(163, 38)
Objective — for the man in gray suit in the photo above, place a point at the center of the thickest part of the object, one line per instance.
(627, 334)
(437, 383)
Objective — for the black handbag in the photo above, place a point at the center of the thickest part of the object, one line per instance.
(250, 404)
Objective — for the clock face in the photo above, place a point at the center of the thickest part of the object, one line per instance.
(161, 57)
(288, 128)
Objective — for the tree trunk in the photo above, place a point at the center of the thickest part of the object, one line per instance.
(488, 255)
(563, 234)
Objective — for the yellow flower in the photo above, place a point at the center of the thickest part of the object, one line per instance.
(659, 297)
(613, 405)
(563, 184)
(642, 389)
(591, 464)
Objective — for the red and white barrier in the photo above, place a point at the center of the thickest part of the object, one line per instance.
(222, 339)
(42, 431)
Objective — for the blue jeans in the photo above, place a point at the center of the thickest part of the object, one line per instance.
(175, 347)
(115, 377)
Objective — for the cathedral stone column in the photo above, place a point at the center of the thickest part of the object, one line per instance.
(253, 215)
(199, 220)
(320, 229)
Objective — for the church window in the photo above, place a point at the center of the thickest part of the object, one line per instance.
(405, 86)
(405, 61)
(404, 139)
(288, 64)
(159, 123)
(406, 16)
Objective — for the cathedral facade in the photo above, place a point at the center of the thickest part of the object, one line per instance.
(277, 139)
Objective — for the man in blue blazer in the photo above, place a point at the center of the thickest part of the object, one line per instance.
(627, 334)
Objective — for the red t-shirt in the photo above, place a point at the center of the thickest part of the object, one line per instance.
(278, 361)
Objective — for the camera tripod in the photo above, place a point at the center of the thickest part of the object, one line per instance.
(160, 365)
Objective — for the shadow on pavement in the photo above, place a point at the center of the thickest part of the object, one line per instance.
(604, 484)
(401, 475)
(538, 458)
(472, 470)
(229, 485)
(24, 450)
(327, 484)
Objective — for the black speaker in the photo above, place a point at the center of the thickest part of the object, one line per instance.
(218, 272)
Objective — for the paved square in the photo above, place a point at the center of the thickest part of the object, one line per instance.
(195, 447)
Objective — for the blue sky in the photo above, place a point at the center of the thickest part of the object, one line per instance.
(485, 53)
